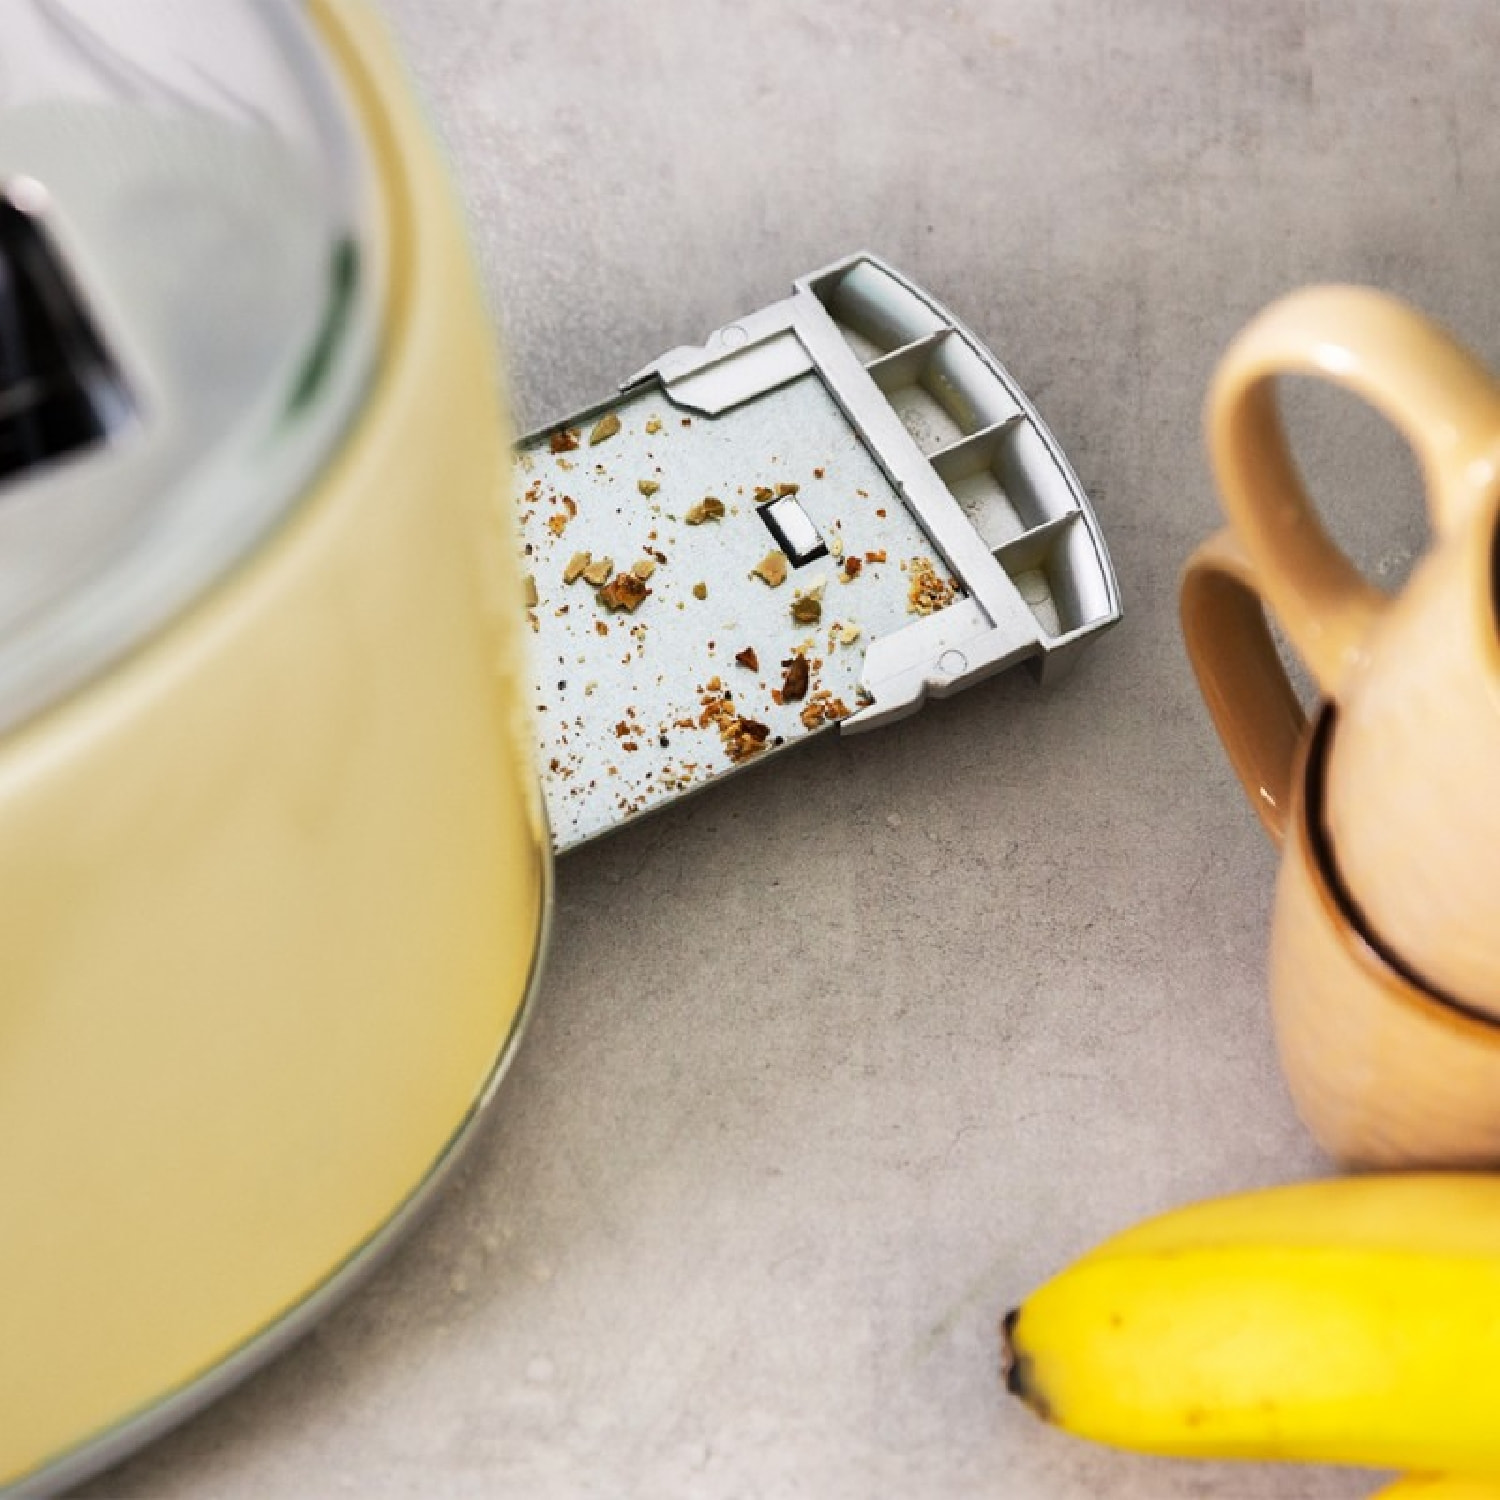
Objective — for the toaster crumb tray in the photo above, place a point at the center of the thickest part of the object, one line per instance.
(834, 507)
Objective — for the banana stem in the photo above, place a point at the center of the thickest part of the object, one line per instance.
(1019, 1373)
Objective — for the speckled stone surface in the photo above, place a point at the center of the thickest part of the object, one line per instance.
(833, 1064)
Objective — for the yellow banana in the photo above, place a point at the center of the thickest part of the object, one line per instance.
(1352, 1321)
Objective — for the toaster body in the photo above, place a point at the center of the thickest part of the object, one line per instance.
(273, 862)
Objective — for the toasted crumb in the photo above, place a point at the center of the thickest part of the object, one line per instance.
(817, 473)
(846, 634)
(653, 425)
(597, 573)
(807, 610)
(557, 524)
(853, 566)
(648, 487)
(787, 489)
(606, 427)
(928, 591)
(644, 568)
(700, 591)
(748, 658)
(564, 440)
(751, 737)
(741, 737)
(771, 569)
(823, 708)
(600, 628)
(528, 591)
(577, 565)
(875, 557)
(709, 508)
(625, 592)
(794, 683)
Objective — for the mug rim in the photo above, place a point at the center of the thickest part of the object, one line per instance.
(1342, 912)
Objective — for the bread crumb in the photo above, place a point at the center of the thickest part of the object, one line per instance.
(823, 708)
(929, 591)
(741, 737)
(709, 508)
(771, 569)
(626, 592)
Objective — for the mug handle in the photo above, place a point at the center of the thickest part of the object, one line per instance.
(1442, 400)
(1241, 675)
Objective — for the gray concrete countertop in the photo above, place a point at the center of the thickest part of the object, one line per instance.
(833, 1064)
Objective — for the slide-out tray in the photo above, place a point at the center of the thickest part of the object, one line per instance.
(834, 507)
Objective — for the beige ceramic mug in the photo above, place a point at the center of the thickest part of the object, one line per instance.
(1384, 1072)
(1412, 807)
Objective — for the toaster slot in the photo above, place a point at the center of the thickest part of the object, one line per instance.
(60, 392)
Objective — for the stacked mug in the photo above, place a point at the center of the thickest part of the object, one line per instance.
(1385, 952)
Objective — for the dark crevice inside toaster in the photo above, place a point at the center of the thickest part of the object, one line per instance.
(60, 392)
